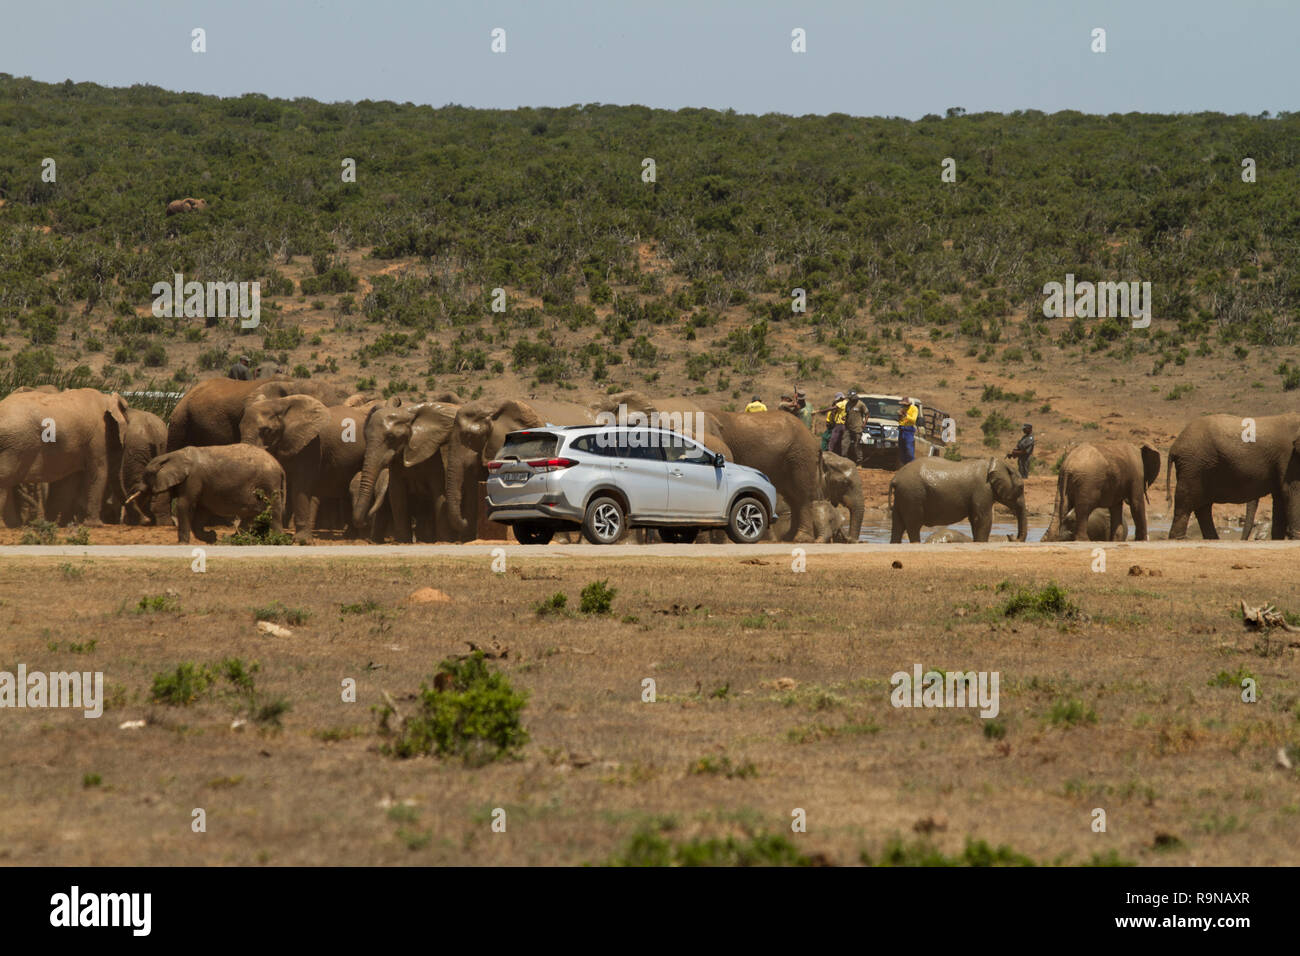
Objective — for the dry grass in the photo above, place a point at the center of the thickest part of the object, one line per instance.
(1167, 756)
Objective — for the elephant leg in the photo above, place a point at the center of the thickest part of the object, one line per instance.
(1137, 507)
(981, 524)
(96, 482)
(1184, 505)
(914, 525)
(183, 510)
(1248, 525)
(304, 524)
(801, 521)
(199, 518)
(1117, 522)
(1205, 518)
(1083, 510)
(399, 501)
(896, 528)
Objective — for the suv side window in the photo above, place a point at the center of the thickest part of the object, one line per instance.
(592, 445)
(641, 447)
(688, 453)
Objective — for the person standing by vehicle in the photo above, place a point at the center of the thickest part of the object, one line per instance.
(834, 423)
(907, 432)
(855, 420)
(805, 411)
(1024, 450)
(756, 406)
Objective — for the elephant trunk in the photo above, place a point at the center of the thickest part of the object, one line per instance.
(456, 468)
(374, 462)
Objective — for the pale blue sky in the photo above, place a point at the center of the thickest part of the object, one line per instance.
(901, 58)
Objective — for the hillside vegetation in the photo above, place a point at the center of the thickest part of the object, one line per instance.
(681, 284)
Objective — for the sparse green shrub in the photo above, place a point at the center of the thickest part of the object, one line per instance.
(465, 711)
(597, 597)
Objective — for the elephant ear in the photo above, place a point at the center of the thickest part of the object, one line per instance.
(430, 429)
(1150, 465)
(174, 470)
(304, 419)
(993, 465)
(117, 409)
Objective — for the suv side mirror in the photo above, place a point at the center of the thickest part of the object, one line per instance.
(719, 460)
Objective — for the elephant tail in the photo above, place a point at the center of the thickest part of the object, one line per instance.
(1169, 464)
(890, 512)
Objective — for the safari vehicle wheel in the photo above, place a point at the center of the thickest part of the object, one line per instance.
(604, 522)
(747, 523)
(529, 533)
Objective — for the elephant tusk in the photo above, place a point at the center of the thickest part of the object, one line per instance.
(133, 497)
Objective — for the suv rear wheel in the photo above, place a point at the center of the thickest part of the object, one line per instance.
(526, 532)
(678, 535)
(604, 522)
(747, 522)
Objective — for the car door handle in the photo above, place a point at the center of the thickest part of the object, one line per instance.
(676, 473)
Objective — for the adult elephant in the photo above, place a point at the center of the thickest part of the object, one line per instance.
(50, 436)
(188, 204)
(404, 466)
(143, 439)
(210, 412)
(935, 491)
(320, 448)
(1219, 459)
(477, 434)
(1105, 475)
(777, 444)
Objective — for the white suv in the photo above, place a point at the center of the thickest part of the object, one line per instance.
(607, 479)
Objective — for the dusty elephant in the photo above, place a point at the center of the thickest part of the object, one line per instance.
(188, 204)
(477, 434)
(320, 449)
(777, 444)
(216, 481)
(842, 485)
(407, 443)
(828, 526)
(948, 536)
(1105, 475)
(51, 436)
(210, 412)
(1219, 459)
(935, 491)
(1099, 528)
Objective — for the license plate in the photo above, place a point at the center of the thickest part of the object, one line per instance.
(514, 476)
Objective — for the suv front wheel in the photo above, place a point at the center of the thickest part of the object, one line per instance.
(604, 522)
(747, 521)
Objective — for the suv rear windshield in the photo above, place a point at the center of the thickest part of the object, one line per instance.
(528, 445)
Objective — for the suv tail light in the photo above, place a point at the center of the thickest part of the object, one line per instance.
(551, 464)
(495, 465)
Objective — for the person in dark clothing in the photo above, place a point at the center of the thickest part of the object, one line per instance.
(1024, 450)
(239, 370)
(855, 421)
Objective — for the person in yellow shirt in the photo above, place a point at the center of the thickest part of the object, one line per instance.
(834, 422)
(907, 432)
(756, 406)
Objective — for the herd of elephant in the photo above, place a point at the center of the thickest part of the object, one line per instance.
(1217, 459)
(411, 470)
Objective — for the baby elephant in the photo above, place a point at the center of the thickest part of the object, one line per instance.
(216, 481)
